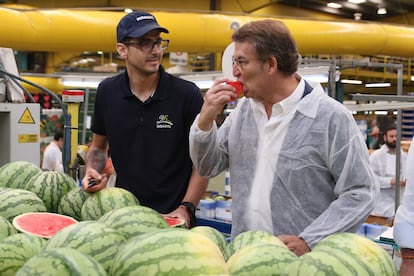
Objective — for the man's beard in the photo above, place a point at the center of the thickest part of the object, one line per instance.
(391, 145)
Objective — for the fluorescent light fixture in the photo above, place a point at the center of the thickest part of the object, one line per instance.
(82, 81)
(380, 112)
(334, 5)
(356, 1)
(204, 84)
(382, 11)
(203, 81)
(378, 84)
(351, 81)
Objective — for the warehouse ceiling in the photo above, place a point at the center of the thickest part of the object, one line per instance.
(367, 10)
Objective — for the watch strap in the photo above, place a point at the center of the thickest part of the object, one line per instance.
(191, 210)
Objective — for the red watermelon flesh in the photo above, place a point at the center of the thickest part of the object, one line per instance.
(174, 222)
(42, 224)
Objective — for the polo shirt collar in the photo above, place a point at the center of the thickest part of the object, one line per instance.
(161, 92)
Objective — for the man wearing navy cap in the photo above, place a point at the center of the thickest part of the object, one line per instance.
(144, 116)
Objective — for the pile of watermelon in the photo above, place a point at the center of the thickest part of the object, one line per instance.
(50, 226)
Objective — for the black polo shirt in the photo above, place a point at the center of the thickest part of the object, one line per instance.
(149, 140)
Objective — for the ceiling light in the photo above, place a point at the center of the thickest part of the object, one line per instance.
(412, 78)
(356, 1)
(351, 81)
(378, 84)
(382, 11)
(334, 5)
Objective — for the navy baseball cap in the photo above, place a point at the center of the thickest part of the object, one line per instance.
(136, 24)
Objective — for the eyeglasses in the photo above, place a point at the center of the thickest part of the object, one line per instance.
(239, 62)
(148, 44)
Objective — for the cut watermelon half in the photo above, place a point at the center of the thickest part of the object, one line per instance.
(42, 224)
(175, 222)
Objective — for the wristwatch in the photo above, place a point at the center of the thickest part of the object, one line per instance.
(191, 209)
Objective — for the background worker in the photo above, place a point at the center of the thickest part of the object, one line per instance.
(383, 162)
(298, 162)
(404, 220)
(144, 114)
(52, 156)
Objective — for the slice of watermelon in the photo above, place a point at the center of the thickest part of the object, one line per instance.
(42, 224)
(175, 222)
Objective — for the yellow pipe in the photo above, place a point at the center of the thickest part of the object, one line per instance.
(75, 30)
(52, 83)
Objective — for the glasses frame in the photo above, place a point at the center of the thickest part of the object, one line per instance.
(147, 46)
(239, 62)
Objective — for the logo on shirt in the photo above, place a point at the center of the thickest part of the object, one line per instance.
(164, 122)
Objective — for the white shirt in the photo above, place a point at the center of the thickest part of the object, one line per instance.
(383, 165)
(272, 132)
(404, 218)
(52, 158)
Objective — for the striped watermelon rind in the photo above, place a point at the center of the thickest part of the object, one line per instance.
(252, 237)
(90, 237)
(171, 251)
(16, 250)
(320, 263)
(61, 261)
(134, 220)
(71, 203)
(17, 174)
(105, 200)
(6, 228)
(260, 259)
(215, 235)
(14, 202)
(361, 253)
(51, 186)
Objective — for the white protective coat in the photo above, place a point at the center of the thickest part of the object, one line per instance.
(322, 183)
(404, 218)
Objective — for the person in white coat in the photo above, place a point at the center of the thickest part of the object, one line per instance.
(298, 163)
(52, 156)
(383, 162)
(404, 220)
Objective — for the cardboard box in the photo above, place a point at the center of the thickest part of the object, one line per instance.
(223, 209)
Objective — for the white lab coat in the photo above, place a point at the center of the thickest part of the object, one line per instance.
(404, 217)
(383, 163)
(322, 182)
(52, 158)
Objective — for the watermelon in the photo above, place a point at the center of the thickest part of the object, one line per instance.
(134, 220)
(14, 202)
(17, 174)
(362, 254)
(252, 237)
(322, 263)
(71, 203)
(16, 250)
(215, 235)
(6, 228)
(42, 224)
(170, 251)
(175, 222)
(51, 186)
(90, 237)
(61, 261)
(260, 259)
(105, 200)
